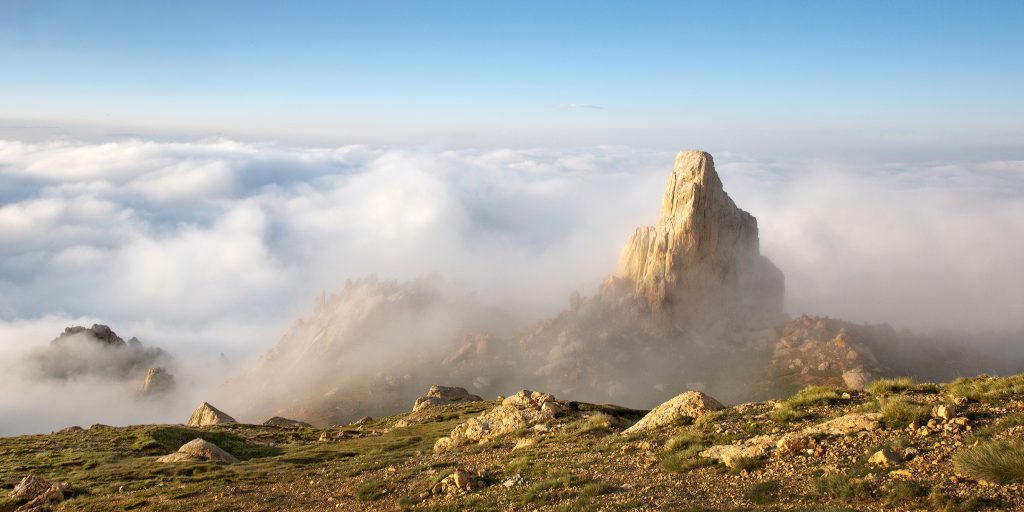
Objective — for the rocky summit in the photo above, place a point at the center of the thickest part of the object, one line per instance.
(701, 262)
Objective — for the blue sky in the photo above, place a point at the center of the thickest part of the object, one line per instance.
(736, 75)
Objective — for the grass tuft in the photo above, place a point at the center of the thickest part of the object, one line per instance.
(841, 486)
(898, 412)
(814, 395)
(995, 461)
(785, 412)
(884, 387)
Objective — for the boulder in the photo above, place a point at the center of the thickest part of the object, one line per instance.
(856, 378)
(519, 411)
(158, 381)
(458, 483)
(278, 421)
(691, 404)
(753, 448)
(444, 395)
(846, 425)
(884, 457)
(207, 414)
(199, 450)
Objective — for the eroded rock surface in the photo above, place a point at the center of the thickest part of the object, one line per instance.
(158, 381)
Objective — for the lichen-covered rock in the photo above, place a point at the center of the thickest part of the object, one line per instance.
(199, 450)
(519, 411)
(444, 395)
(207, 414)
(691, 404)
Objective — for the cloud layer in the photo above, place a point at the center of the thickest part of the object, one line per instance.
(214, 246)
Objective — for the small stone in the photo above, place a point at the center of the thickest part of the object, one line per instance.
(884, 457)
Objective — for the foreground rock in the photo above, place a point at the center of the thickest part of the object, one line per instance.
(158, 381)
(40, 493)
(444, 395)
(847, 424)
(730, 454)
(519, 411)
(278, 421)
(199, 450)
(691, 404)
(206, 415)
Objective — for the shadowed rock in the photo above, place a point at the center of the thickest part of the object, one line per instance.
(278, 421)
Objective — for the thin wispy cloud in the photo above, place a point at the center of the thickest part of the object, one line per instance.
(580, 106)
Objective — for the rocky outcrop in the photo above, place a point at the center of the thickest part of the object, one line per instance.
(691, 404)
(847, 424)
(206, 415)
(158, 381)
(701, 262)
(753, 448)
(95, 351)
(278, 421)
(519, 411)
(199, 450)
(814, 351)
(444, 395)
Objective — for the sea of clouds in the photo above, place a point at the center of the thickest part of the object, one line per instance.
(212, 247)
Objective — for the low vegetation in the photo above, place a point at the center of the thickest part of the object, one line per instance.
(899, 413)
(987, 389)
(814, 395)
(884, 387)
(994, 461)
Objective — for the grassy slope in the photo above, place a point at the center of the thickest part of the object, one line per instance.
(582, 464)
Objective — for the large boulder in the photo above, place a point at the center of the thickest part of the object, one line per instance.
(206, 415)
(691, 404)
(519, 411)
(444, 395)
(199, 450)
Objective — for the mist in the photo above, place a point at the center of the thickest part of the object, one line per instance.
(215, 247)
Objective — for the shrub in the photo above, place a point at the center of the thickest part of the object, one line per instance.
(786, 413)
(899, 413)
(763, 493)
(814, 395)
(996, 461)
(883, 387)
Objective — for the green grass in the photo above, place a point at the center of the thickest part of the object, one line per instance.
(166, 439)
(988, 389)
(371, 491)
(598, 422)
(763, 493)
(814, 395)
(785, 412)
(995, 461)
(898, 412)
(884, 387)
(595, 489)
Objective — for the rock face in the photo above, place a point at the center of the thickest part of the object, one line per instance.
(158, 381)
(691, 404)
(444, 395)
(40, 493)
(278, 421)
(199, 450)
(701, 261)
(521, 410)
(207, 414)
